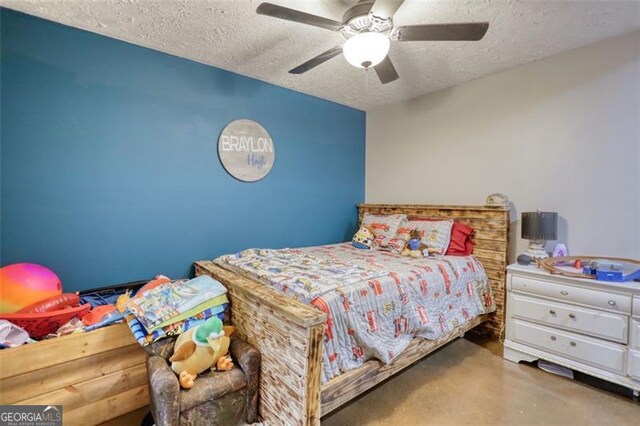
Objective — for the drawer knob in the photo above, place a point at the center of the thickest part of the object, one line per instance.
(572, 316)
(572, 343)
(612, 303)
(552, 312)
(564, 293)
(553, 338)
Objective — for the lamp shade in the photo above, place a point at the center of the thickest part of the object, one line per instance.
(540, 225)
(366, 49)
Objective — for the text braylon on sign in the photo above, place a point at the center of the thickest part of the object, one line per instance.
(246, 150)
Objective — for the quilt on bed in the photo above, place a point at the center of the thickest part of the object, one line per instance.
(375, 301)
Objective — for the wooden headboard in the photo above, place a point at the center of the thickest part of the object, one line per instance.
(490, 237)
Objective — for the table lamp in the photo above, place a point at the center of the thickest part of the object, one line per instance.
(539, 227)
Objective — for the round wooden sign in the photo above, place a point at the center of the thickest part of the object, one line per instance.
(246, 150)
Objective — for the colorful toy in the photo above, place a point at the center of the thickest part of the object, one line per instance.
(605, 270)
(54, 303)
(123, 299)
(415, 248)
(593, 267)
(201, 348)
(40, 324)
(108, 319)
(99, 314)
(23, 284)
(363, 239)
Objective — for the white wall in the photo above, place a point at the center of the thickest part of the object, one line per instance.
(561, 134)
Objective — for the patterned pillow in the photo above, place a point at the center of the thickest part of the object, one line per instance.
(394, 245)
(397, 243)
(404, 232)
(436, 235)
(363, 239)
(383, 226)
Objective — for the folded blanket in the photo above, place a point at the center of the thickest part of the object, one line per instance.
(176, 301)
(144, 338)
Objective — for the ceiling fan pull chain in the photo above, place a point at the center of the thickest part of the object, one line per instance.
(366, 80)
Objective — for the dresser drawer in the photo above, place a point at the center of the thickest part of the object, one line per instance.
(636, 306)
(634, 334)
(633, 369)
(587, 350)
(595, 323)
(584, 296)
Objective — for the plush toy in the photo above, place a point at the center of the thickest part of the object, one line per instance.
(415, 248)
(201, 348)
(363, 239)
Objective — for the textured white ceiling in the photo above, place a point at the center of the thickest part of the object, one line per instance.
(230, 35)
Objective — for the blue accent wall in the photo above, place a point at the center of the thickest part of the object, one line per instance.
(109, 166)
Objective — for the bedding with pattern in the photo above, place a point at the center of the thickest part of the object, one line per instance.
(375, 301)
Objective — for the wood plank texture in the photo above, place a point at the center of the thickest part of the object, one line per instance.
(314, 370)
(51, 352)
(347, 386)
(42, 381)
(289, 337)
(80, 394)
(95, 376)
(132, 418)
(108, 408)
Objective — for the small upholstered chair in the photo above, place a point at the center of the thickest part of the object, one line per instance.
(217, 398)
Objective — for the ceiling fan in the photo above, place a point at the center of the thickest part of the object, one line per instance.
(369, 30)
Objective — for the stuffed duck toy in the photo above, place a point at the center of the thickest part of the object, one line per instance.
(201, 348)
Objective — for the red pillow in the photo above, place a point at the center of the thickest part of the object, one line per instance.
(461, 244)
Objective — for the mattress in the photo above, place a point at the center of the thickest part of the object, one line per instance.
(376, 302)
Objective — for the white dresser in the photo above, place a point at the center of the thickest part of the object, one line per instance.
(587, 325)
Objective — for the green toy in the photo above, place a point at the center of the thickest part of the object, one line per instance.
(201, 348)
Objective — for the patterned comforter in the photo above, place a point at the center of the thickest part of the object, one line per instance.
(375, 301)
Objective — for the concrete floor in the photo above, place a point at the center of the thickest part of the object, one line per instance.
(470, 383)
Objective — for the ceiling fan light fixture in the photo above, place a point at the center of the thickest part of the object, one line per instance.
(366, 50)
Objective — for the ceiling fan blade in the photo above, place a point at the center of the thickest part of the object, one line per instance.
(287, 14)
(442, 32)
(314, 62)
(386, 8)
(386, 71)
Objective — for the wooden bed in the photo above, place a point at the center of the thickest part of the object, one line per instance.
(289, 334)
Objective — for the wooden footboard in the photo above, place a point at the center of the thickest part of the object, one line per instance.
(289, 336)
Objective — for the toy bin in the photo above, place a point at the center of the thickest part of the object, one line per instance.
(96, 376)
